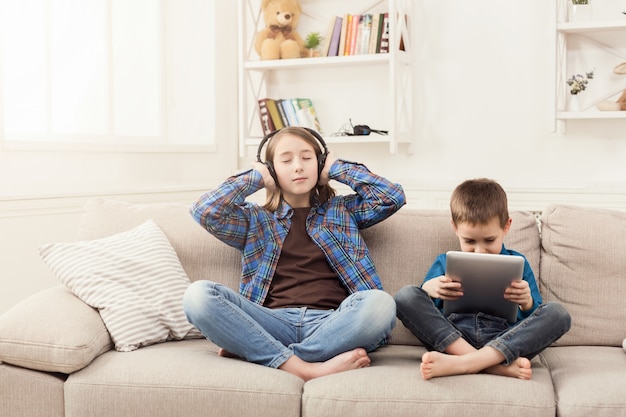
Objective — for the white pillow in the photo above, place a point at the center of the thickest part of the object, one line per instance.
(134, 279)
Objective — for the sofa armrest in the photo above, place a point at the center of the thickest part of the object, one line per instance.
(53, 331)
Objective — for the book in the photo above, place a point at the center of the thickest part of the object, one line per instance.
(333, 49)
(307, 106)
(328, 37)
(354, 34)
(384, 37)
(274, 114)
(365, 29)
(281, 111)
(346, 50)
(374, 34)
(290, 112)
(303, 121)
(379, 34)
(266, 121)
(342, 36)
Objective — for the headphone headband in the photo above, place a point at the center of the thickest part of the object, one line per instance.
(321, 158)
(270, 135)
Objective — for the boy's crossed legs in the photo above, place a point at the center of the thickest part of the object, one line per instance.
(507, 351)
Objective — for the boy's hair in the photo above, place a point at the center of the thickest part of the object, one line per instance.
(478, 201)
(321, 193)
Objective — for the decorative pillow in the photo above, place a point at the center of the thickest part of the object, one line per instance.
(52, 331)
(134, 279)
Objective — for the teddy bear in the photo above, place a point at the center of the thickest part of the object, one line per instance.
(279, 39)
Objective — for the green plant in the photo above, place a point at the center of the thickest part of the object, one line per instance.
(578, 82)
(313, 40)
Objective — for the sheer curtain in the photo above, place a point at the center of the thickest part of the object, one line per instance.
(119, 73)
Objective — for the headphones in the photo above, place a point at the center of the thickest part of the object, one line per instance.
(364, 130)
(321, 157)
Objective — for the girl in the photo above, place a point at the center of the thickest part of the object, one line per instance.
(310, 301)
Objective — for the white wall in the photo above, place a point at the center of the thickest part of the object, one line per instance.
(485, 82)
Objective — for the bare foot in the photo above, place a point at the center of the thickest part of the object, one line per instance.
(353, 359)
(436, 364)
(226, 354)
(521, 369)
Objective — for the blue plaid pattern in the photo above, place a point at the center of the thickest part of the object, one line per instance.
(334, 226)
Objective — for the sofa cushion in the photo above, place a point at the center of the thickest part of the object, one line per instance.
(584, 267)
(133, 278)
(393, 385)
(182, 378)
(588, 380)
(54, 331)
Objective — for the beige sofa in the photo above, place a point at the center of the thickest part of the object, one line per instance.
(57, 358)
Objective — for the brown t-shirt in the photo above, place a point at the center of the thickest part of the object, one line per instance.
(303, 277)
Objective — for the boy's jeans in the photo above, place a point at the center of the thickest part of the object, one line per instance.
(271, 336)
(526, 338)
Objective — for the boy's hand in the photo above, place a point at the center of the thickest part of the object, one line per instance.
(519, 293)
(268, 181)
(443, 288)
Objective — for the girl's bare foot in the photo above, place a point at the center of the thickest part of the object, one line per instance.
(226, 354)
(521, 369)
(353, 359)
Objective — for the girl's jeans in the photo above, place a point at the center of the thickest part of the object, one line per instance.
(271, 336)
(526, 338)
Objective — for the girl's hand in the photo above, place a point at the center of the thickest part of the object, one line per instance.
(268, 181)
(519, 293)
(330, 159)
(443, 288)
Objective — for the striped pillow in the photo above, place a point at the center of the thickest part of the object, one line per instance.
(134, 279)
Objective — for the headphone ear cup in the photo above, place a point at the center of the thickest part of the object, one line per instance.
(270, 168)
(321, 161)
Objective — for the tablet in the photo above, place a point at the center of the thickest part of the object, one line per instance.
(484, 278)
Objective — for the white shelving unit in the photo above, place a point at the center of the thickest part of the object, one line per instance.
(375, 89)
(601, 44)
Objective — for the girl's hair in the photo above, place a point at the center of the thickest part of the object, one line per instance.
(478, 201)
(321, 193)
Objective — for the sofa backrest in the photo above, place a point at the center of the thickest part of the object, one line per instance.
(403, 246)
(583, 266)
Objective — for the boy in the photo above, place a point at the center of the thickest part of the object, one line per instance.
(472, 343)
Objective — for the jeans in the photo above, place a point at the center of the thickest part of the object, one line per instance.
(271, 336)
(526, 338)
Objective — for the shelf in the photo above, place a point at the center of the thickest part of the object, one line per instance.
(339, 61)
(583, 46)
(374, 89)
(591, 115)
(337, 140)
(592, 26)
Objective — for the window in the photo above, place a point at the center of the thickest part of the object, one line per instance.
(120, 74)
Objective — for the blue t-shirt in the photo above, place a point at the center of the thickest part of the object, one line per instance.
(439, 268)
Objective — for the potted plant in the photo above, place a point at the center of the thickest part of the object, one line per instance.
(312, 42)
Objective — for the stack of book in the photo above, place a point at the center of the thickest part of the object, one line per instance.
(357, 35)
(278, 113)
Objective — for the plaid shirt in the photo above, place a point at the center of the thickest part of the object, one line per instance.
(334, 226)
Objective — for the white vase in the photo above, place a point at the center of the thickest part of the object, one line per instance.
(581, 12)
(573, 104)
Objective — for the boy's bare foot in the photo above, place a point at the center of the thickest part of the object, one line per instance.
(521, 369)
(436, 364)
(353, 359)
